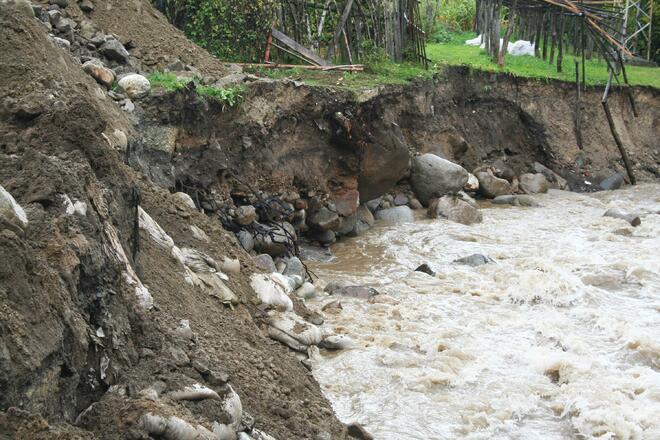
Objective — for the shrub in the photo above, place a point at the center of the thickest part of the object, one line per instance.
(457, 15)
(234, 30)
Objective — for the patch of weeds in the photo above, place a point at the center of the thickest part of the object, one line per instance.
(227, 97)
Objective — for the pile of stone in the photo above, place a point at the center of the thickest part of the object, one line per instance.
(273, 225)
(117, 64)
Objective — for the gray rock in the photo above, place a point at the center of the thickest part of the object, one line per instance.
(425, 268)
(306, 291)
(466, 198)
(503, 170)
(347, 225)
(65, 25)
(337, 342)
(11, 213)
(54, 17)
(364, 221)
(315, 253)
(265, 263)
(554, 179)
(324, 220)
(633, 219)
(374, 204)
(516, 200)
(398, 214)
(533, 183)
(294, 267)
(276, 240)
(62, 43)
(415, 204)
(360, 292)
(134, 86)
(612, 182)
(508, 199)
(245, 215)
(523, 200)
(86, 6)
(475, 260)
(357, 431)
(127, 105)
(491, 186)
(325, 237)
(400, 200)
(60, 3)
(454, 209)
(114, 50)
(98, 40)
(433, 176)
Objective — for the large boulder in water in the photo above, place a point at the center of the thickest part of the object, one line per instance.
(398, 214)
(533, 183)
(612, 182)
(454, 209)
(433, 176)
(554, 179)
(491, 186)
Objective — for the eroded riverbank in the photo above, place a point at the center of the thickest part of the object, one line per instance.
(557, 339)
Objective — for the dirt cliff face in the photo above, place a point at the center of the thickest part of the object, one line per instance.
(290, 135)
(82, 355)
(92, 308)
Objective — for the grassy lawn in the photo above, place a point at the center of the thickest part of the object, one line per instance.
(456, 52)
(453, 53)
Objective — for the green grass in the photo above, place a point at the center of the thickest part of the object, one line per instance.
(375, 75)
(456, 52)
(227, 97)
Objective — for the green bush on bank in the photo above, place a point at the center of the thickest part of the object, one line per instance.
(233, 30)
(227, 97)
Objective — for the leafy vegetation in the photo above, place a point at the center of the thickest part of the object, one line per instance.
(457, 15)
(227, 97)
(233, 30)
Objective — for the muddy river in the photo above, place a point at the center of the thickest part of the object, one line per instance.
(558, 339)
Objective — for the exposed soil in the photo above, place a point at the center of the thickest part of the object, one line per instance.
(73, 337)
(76, 348)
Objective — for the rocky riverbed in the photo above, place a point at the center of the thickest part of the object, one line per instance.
(555, 337)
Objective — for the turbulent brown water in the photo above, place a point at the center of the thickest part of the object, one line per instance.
(559, 339)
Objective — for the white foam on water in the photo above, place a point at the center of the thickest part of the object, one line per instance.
(559, 339)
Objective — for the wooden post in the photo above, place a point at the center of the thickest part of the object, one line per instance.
(560, 43)
(553, 37)
(340, 27)
(578, 128)
(269, 42)
(537, 35)
(509, 30)
(615, 134)
(544, 31)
